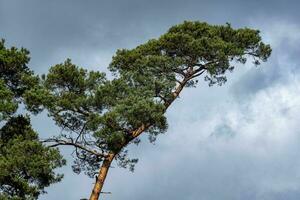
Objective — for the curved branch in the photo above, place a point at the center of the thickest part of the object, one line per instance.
(60, 142)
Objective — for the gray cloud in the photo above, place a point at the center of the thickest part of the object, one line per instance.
(90, 32)
(259, 107)
(284, 62)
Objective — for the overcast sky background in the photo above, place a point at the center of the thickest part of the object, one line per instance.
(238, 141)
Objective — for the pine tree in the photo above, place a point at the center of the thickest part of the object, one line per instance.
(101, 117)
(26, 165)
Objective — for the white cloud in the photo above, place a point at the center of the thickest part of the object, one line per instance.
(262, 155)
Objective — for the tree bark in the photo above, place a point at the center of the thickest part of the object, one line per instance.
(101, 177)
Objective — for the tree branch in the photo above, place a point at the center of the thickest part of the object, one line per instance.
(60, 142)
(175, 94)
(197, 74)
(187, 76)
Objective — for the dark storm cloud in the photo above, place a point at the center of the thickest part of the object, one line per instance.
(79, 29)
(90, 31)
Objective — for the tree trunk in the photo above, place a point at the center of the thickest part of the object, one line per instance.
(106, 163)
(101, 177)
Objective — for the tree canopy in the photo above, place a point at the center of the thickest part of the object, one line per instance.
(101, 116)
(26, 165)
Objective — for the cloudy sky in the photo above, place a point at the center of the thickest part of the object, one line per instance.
(238, 141)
